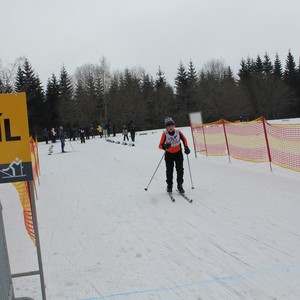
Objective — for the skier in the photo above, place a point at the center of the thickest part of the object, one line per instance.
(46, 135)
(82, 133)
(125, 133)
(62, 137)
(131, 127)
(171, 142)
(53, 135)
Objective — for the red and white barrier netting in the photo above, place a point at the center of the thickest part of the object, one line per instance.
(255, 141)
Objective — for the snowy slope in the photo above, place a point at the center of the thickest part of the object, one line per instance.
(104, 237)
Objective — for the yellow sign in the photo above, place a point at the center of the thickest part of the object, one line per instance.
(15, 158)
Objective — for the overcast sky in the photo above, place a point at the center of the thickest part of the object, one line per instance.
(146, 33)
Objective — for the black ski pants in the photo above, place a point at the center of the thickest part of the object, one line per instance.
(171, 159)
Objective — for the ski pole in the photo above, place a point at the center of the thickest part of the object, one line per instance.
(71, 146)
(146, 188)
(190, 171)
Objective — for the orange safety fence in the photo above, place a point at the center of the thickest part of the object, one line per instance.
(24, 190)
(256, 141)
(24, 195)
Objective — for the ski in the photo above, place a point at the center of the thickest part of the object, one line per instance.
(185, 197)
(171, 197)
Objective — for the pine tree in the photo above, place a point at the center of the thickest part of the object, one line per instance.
(163, 99)
(290, 72)
(181, 82)
(246, 70)
(66, 108)
(148, 94)
(191, 91)
(100, 97)
(160, 79)
(27, 81)
(192, 74)
(277, 72)
(267, 65)
(20, 80)
(181, 86)
(259, 68)
(52, 98)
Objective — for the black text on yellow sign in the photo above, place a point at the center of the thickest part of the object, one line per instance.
(15, 157)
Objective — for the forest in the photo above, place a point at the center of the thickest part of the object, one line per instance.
(96, 94)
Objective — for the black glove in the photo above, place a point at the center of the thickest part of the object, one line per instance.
(187, 150)
(166, 146)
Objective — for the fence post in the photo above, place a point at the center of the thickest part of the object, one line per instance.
(202, 126)
(226, 139)
(267, 142)
(192, 130)
(6, 285)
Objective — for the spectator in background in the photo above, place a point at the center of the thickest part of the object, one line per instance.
(100, 131)
(81, 133)
(46, 135)
(62, 138)
(53, 135)
(132, 130)
(125, 133)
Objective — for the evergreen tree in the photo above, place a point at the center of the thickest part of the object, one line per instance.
(79, 96)
(100, 96)
(267, 65)
(290, 72)
(114, 100)
(277, 72)
(181, 86)
(148, 94)
(91, 99)
(160, 79)
(228, 75)
(192, 74)
(52, 98)
(192, 88)
(66, 108)
(20, 80)
(181, 83)
(27, 81)
(246, 70)
(259, 68)
(163, 99)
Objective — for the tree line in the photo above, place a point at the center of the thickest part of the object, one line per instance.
(95, 94)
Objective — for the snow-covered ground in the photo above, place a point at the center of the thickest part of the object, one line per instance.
(104, 237)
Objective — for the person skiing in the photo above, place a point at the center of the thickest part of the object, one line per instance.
(62, 137)
(131, 128)
(125, 133)
(171, 142)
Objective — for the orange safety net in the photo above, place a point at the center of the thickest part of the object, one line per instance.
(24, 194)
(35, 159)
(246, 140)
(284, 141)
(209, 139)
(256, 141)
(24, 190)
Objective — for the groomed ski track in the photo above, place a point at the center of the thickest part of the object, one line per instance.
(104, 237)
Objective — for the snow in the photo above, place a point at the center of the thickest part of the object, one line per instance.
(104, 237)
(285, 121)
